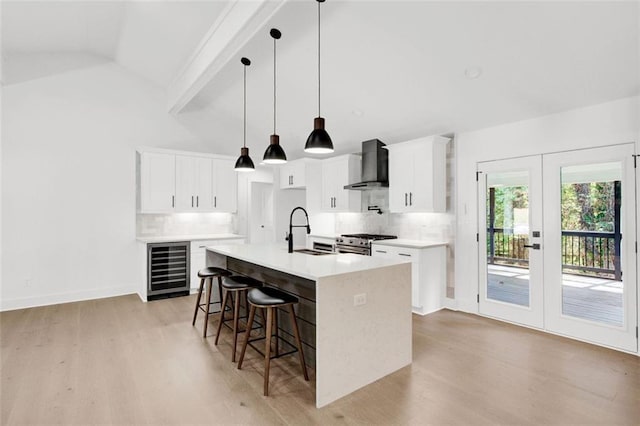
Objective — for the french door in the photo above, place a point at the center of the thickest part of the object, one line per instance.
(510, 206)
(557, 243)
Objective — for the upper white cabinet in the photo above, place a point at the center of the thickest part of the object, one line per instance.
(336, 173)
(179, 182)
(193, 183)
(225, 186)
(157, 175)
(417, 175)
(292, 175)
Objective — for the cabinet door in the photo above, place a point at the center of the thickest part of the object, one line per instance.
(340, 179)
(225, 186)
(157, 186)
(203, 183)
(298, 174)
(401, 165)
(421, 187)
(185, 183)
(329, 169)
(285, 176)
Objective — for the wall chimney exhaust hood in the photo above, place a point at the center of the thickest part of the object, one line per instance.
(375, 167)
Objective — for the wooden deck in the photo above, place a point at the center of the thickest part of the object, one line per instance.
(591, 298)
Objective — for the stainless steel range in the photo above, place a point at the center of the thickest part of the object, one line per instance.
(359, 243)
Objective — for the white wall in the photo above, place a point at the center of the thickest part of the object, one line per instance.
(68, 182)
(604, 124)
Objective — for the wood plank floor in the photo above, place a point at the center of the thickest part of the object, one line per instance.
(120, 361)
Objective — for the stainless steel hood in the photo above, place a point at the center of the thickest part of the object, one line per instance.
(375, 167)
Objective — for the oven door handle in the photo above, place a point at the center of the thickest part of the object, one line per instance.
(354, 250)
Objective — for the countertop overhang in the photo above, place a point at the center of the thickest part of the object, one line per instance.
(303, 265)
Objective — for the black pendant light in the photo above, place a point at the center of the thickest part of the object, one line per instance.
(244, 162)
(274, 153)
(319, 141)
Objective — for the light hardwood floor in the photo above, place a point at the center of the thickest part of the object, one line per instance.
(119, 360)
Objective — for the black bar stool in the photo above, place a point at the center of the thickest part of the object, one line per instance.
(208, 274)
(270, 299)
(237, 285)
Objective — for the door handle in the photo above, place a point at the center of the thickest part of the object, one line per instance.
(534, 246)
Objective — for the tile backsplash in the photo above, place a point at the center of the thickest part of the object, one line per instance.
(148, 225)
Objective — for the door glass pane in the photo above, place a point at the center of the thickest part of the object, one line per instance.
(592, 285)
(507, 233)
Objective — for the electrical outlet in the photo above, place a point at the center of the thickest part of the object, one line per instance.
(360, 299)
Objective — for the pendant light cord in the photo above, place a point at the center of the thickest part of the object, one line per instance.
(274, 86)
(244, 134)
(319, 115)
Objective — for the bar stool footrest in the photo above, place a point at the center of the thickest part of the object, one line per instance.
(281, 354)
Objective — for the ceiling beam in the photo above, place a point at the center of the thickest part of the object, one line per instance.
(235, 26)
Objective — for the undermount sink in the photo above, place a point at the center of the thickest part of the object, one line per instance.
(312, 252)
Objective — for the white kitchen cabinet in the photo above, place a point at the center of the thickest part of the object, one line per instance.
(293, 175)
(336, 173)
(157, 182)
(225, 186)
(428, 273)
(417, 175)
(193, 183)
(198, 261)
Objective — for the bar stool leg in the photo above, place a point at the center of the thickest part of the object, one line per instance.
(206, 314)
(298, 341)
(236, 315)
(275, 323)
(247, 334)
(220, 289)
(195, 312)
(222, 308)
(267, 350)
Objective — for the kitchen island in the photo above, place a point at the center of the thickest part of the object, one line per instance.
(354, 311)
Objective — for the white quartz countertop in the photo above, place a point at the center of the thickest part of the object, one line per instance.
(196, 237)
(303, 265)
(419, 244)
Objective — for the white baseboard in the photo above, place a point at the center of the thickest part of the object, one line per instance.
(75, 296)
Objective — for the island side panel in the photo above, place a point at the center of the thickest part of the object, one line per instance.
(356, 345)
(302, 288)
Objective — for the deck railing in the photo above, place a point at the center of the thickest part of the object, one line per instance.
(583, 252)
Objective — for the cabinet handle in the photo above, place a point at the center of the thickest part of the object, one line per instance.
(173, 201)
(380, 251)
(202, 246)
(215, 201)
(404, 254)
(405, 199)
(411, 198)
(197, 201)
(192, 201)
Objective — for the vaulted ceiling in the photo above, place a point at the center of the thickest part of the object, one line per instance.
(390, 69)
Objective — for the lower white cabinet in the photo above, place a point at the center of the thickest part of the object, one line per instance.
(428, 273)
(198, 260)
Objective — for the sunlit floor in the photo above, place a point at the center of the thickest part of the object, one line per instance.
(591, 298)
